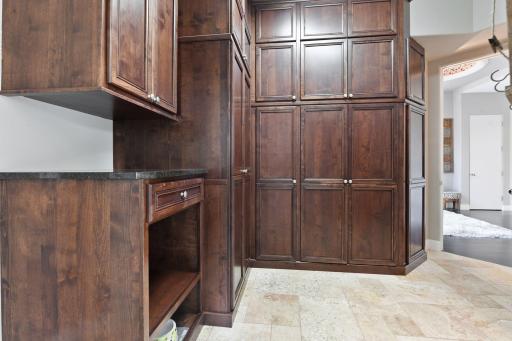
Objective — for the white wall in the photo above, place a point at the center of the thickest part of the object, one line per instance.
(444, 17)
(36, 136)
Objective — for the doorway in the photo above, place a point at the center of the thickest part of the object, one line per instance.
(486, 162)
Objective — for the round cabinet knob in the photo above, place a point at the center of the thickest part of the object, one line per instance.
(294, 98)
(184, 195)
(151, 97)
(351, 95)
(294, 181)
(349, 181)
(345, 181)
(244, 171)
(157, 99)
(345, 95)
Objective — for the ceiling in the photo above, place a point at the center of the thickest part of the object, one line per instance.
(478, 78)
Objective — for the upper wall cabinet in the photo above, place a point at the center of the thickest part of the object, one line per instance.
(276, 72)
(324, 19)
(416, 72)
(276, 23)
(372, 17)
(65, 56)
(373, 67)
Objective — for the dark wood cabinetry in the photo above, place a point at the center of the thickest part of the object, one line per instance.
(276, 72)
(337, 183)
(416, 72)
(277, 147)
(324, 19)
(276, 23)
(109, 258)
(373, 69)
(68, 57)
(323, 69)
(372, 18)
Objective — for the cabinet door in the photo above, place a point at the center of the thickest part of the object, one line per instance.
(323, 228)
(416, 72)
(372, 17)
(276, 23)
(374, 143)
(129, 46)
(237, 237)
(277, 145)
(416, 144)
(165, 54)
(237, 113)
(373, 225)
(237, 22)
(324, 19)
(323, 69)
(373, 67)
(323, 131)
(276, 72)
(416, 220)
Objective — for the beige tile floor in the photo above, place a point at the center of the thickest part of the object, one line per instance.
(447, 298)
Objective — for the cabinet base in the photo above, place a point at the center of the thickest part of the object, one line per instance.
(371, 269)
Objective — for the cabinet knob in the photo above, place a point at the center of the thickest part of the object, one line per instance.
(351, 95)
(184, 195)
(345, 181)
(345, 95)
(151, 97)
(294, 98)
(157, 99)
(294, 181)
(349, 181)
(244, 171)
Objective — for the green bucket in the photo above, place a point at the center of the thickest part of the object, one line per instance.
(168, 332)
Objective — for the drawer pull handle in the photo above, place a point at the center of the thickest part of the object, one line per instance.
(184, 195)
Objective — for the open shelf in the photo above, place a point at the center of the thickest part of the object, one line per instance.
(167, 291)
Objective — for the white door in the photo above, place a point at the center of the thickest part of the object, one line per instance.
(486, 177)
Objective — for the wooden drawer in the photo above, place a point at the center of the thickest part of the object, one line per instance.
(168, 198)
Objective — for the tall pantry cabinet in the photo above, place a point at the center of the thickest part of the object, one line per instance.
(339, 136)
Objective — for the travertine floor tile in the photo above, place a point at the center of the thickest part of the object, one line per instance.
(449, 297)
(282, 333)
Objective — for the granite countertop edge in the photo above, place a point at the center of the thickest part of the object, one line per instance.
(169, 174)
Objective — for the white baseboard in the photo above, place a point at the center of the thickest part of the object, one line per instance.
(433, 245)
(507, 208)
(465, 207)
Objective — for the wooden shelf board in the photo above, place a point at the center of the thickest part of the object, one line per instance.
(166, 293)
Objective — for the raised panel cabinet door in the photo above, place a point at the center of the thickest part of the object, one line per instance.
(275, 222)
(416, 72)
(277, 144)
(165, 54)
(373, 225)
(416, 220)
(374, 143)
(276, 23)
(416, 137)
(129, 46)
(276, 72)
(323, 69)
(323, 130)
(324, 19)
(373, 69)
(372, 17)
(237, 115)
(323, 229)
(237, 237)
(237, 22)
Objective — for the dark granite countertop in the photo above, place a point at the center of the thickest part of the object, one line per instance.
(167, 174)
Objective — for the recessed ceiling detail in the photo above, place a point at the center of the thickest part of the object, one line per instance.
(458, 68)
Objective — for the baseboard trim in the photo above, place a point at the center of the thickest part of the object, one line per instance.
(434, 245)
